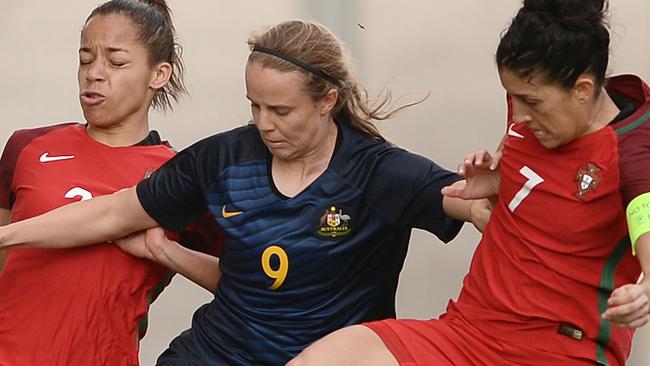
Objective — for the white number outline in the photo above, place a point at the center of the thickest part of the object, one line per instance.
(533, 180)
(78, 192)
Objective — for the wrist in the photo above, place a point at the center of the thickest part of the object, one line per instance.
(164, 253)
(644, 282)
(470, 211)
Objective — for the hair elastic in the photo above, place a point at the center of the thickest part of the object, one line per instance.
(314, 70)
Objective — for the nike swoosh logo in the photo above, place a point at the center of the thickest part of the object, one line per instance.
(514, 133)
(45, 158)
(228, 214)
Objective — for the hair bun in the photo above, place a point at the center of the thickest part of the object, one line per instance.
(568, 11)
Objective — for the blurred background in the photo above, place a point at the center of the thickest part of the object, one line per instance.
(409, 47)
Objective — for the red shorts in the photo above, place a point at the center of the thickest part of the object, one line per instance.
(453, 341)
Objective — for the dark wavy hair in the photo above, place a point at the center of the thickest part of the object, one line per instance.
(558, 40)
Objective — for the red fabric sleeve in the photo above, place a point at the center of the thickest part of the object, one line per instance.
(14, 147)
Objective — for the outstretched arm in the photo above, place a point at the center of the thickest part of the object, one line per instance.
(5, 217)
(200, 268)
(628, 305)
(98, 219)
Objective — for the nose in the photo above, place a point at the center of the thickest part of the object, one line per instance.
(520, 113)
(263, 120)
(95, 71)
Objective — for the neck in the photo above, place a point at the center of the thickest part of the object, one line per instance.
(316, 159)
(604, 113)
(122, 134)
(294, 175)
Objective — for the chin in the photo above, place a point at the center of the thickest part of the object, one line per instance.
(282, 154)
(552, 144)
(96, 120)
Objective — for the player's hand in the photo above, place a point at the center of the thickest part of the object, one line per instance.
(481, 177)
(134, 244)
(628, 306)
(481, 159)
(150, 244)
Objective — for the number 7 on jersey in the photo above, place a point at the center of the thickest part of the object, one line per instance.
(533, 180)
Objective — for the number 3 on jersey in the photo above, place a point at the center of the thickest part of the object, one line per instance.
(533, 180)
(279, 274)
(78, 192)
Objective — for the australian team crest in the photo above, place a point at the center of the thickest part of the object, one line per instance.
(587, 180)
(334, 222)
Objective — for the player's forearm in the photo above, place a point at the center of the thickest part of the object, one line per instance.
(475, 211)
(457, 208)
(82, 223)
(200, 268)
(59, 228)
(643, 255)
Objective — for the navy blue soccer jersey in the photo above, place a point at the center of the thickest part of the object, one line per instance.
(296, 268)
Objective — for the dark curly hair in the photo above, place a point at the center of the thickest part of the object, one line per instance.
(558, 40)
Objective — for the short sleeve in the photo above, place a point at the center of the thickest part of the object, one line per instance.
(14, 147)
(10, 155)
(634, 152)
(406, 193)
(174, 194)
(429, 213)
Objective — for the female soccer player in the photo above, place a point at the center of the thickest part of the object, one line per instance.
(88, 306)
(554, 279)
(317, 208)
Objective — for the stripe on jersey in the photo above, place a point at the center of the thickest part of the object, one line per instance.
(623, 130)
(144, 321)
(606, 288)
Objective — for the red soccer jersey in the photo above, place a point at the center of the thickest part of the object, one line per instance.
(557, 242)
(81, 306)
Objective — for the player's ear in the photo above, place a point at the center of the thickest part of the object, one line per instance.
(329, 101)
(584, 88)
(160, 75)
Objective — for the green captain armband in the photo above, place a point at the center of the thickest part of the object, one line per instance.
(638, 218)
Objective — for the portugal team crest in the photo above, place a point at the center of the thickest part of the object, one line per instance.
(334, 222)
(587, 180)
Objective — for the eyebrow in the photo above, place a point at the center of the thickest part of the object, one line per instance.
(275, 106)
(524, 95)
(110, 49)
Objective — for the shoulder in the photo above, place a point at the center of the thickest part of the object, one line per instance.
(223, 149)
(631, 86)
(636, 92)
(13, 149)
(633, 134)
(21, 138)
(224, 140)
(389, 159)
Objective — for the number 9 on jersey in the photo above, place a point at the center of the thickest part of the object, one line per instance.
(279, 274)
